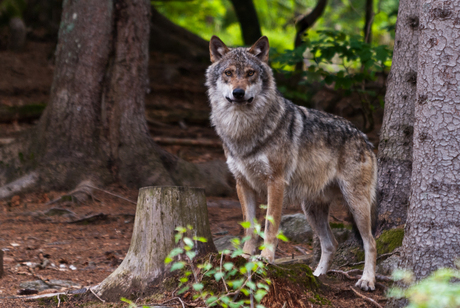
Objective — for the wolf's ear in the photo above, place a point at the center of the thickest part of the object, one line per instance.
(260, 49)
(217, 48)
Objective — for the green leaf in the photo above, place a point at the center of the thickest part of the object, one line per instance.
(183, 279)
(198, 286)
(245, 291)
(210, 299)
(191, 254)
(181, 229)
(200, 239)
(177, 266)
(250, 266)
(259, 295)
(218, 276)
(184, 289)
(176, 251)
(245, 224)
(168, 260)
(251, 284)
(188, 241)
(228, 266)
(282, 237)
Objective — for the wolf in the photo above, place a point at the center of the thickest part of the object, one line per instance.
(288, 154)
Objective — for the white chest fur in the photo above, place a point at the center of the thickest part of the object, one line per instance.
(255, 170)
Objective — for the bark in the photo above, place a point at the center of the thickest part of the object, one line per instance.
(432, 233)
(168, 37)
(249, 22)
(94, 127)
(368, 20)
(159, 211)
(395, 147)
(17, 35)
(308, 20)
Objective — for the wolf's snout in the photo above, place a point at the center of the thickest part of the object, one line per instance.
(238, 93)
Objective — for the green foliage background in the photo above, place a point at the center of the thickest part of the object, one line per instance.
(277, 19)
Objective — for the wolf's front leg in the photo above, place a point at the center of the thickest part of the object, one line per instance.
(247, 197)
(272, 223)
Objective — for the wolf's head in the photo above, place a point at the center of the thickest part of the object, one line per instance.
(239, 76)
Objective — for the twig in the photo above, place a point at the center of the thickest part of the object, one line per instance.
(301, 250)
(91, 289)
(387, 254)
(359, 272)
(223, 279)
(189, 142)
(367, 299)
(59, 300)
(172, 299)
(379, 257)
(109, 193)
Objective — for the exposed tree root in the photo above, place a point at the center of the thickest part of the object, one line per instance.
(20, 185)
(359, 272)
(367, 299)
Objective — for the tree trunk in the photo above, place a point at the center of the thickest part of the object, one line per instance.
(395, 147)
(94, 127)
(432, 233)
(17, 35)
(168, 37)
(159, 211)
(249, 22)
(368, 20)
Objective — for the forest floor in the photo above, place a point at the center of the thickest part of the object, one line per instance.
(81, 243)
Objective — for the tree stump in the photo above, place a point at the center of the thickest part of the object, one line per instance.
(159, 211)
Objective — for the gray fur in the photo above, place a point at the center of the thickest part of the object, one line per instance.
(315, 154)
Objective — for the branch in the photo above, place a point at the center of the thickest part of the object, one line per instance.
(308, 20)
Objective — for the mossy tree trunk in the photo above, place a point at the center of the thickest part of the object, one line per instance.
(94, 126)
(159, 211)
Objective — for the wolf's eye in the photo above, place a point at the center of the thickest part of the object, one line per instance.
(228, 73)
(250, 73)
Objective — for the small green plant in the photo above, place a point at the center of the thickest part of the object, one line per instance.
(439, 290)
(244, 282)
(335, 57)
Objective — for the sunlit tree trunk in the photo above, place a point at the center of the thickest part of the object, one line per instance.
(395, 147)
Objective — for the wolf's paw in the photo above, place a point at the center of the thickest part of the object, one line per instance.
(246, 255)
(267, 255)
(365, 284)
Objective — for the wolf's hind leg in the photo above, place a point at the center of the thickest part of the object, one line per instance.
(248, 200)
(317, 214)
(359, 198)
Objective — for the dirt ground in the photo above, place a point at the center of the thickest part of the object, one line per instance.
(83, 242)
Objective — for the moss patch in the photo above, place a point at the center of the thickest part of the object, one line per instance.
(299, 274)
(389, 240)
